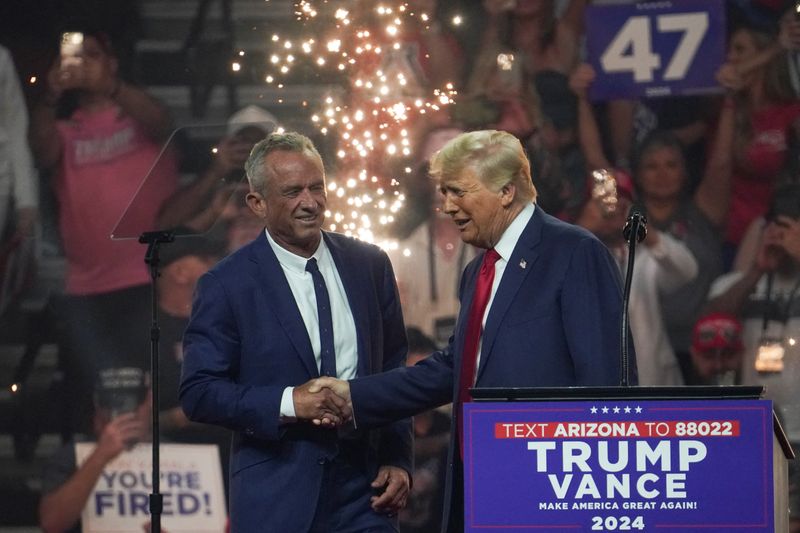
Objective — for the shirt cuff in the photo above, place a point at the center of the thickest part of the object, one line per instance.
(287, 406)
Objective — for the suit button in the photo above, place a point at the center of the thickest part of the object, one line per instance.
(249, 432)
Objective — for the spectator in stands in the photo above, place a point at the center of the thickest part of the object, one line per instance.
(216, 198)
(100, 154)
(695, 220)
(717, 349)
(521, 40)
(423, 513)
(19, 185)
(431, 58)
(765, 111)
(429, 261)
(182, 264)
(556, 157)
(532, 28)
(498, 93)
(121, 419)
(663, 265)
(431, 48)
(763, 293)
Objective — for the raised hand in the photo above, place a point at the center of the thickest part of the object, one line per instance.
(730, 78)
(581, 79)
(120, 433)
(321, 405)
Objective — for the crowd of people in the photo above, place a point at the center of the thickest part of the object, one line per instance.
(714, 286)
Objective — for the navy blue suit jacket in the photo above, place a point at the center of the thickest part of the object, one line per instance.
(554, 322)
(246, 342)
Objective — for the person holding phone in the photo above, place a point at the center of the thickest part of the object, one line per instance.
(219, 191)
(763, 291)
(122, 418)
(99, 152)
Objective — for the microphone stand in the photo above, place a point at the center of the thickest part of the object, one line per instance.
(153, 239)
(635, 231)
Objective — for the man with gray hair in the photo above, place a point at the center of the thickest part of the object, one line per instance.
(295, 304)
(539, 308)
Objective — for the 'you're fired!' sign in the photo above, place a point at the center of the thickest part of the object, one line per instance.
(619, 465)
(191, 485)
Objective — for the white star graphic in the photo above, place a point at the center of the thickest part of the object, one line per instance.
(593, 410)
(605, 410)
(638, 409)
(616, 409)
(627, 409)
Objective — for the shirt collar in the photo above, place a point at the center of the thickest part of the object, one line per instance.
(291, 260)
(505, 246)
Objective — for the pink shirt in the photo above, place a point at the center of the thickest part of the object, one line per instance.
(765, 158)
(106, 158)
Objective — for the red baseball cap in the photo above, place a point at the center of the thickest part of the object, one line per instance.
(717, 330)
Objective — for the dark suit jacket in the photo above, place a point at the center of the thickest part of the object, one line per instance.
(246, 342)
(554, 322)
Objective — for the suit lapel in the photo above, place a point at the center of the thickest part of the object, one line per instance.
(470, 279)
(272, 281)
(518, 268)
(353, 278)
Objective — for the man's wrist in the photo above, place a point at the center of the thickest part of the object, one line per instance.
(287, 412)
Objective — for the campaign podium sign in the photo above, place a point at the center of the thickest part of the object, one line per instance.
(620, 464)
(191, 483)
(655, 49)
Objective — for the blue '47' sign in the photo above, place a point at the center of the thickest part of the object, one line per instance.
(653, 49)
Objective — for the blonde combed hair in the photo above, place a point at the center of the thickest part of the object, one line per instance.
(497, 157)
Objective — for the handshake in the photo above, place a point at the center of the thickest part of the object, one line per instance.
(324, 401)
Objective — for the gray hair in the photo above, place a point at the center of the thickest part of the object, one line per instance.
(258, 173)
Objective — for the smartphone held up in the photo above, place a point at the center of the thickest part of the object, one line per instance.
(71, 48)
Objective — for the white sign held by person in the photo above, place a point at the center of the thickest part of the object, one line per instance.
(191, 484)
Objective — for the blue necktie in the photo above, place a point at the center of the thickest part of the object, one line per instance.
(327, 352)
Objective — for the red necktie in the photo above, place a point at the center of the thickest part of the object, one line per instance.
(469, 357)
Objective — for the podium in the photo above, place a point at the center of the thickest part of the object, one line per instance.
(624, 459)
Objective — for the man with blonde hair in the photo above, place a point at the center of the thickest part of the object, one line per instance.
(539, 308)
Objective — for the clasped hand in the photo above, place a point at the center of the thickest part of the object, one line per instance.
(324, 401)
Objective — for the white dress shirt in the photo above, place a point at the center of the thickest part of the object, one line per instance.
(344, 326)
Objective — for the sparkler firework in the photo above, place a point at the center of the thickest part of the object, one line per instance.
(373, 120)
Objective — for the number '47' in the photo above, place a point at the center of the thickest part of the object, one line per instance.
(631, 50)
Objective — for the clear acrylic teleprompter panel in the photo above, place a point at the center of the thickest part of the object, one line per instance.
(187, 154)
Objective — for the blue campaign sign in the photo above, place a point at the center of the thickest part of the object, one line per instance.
(653, 49)
(619, 465)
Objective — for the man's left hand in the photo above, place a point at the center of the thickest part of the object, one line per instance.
(395, 484)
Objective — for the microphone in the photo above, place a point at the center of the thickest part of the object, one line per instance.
(635, 231)
(636, 220)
